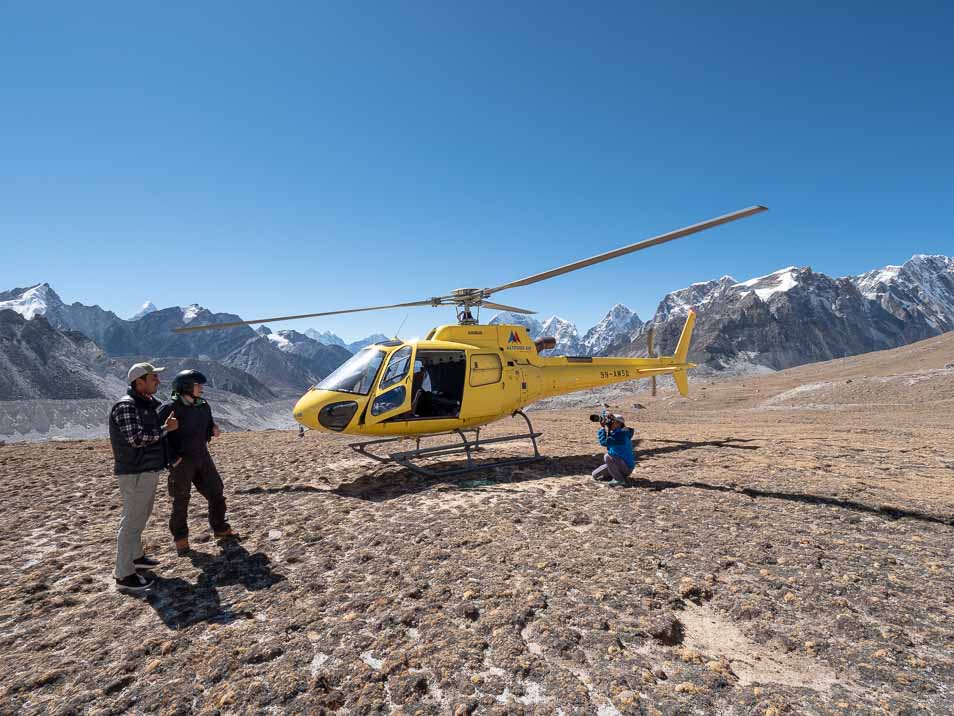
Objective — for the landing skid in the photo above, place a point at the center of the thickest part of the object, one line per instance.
(467, 447)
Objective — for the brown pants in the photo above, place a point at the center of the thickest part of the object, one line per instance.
(200, 472)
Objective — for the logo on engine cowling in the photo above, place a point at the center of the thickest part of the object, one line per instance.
(514, 338)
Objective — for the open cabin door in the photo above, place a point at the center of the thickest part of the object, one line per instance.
(392, 398)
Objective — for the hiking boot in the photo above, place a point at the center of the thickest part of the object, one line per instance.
(227, 533)
(134, 583)
(603, 476)
(182, 547)
(145, 562)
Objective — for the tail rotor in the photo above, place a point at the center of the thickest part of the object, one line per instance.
(651, 350)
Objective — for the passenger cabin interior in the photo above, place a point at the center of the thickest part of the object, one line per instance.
(437, 386)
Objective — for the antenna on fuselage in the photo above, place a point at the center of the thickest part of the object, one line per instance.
(400, 327)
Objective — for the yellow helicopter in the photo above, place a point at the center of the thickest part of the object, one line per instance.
(463, 376)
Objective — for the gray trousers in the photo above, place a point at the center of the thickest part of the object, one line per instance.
(612, 468)
(138, 492)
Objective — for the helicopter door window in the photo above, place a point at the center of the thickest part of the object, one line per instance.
(397, 368)
(389, 401)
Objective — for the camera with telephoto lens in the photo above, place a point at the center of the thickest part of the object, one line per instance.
(603, 418)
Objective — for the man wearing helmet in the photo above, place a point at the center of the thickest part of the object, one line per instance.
(191, 463)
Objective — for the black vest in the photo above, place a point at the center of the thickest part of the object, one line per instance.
(128, 459)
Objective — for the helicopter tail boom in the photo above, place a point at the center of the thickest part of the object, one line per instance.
(563, 374)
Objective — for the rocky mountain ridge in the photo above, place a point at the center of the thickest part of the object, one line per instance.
(37, 360)
(786, 318)
(328, 338)
(795, 315)
(265, 370)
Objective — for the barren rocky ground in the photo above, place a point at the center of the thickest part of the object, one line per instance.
(785, 550)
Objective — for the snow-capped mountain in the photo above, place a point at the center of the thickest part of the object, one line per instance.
(618, 322)
(697, 296)
(321, 359)
(795, 315)
(373, 338)
(533, 326)
(296, 343)
(330, 339)
(42, 300)
(154, 334)
(920, 292)
(146, 308)
(785, 318)
(29, 302)
(326, 337)
(568, 341)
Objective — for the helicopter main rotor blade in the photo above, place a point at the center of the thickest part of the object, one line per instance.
(661, 239)
(502, 307)
(235, 324)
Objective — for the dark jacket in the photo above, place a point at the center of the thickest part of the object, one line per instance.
(195, 428)
(151, 455)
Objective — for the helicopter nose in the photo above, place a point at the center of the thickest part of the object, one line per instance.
(306, 409)
(324, 410)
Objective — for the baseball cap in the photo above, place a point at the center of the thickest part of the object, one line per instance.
(141, 369)
(617, 417)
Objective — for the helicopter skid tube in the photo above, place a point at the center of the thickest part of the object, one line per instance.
(467, 447)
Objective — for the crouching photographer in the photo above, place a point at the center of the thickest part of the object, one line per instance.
(619, 461)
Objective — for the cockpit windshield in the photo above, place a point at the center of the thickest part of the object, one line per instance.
(356, 375)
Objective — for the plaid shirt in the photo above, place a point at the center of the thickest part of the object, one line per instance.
(127, 418)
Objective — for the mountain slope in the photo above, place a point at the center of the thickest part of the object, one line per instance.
(319, 358)
(920, 293)
(153, 334)
(37, 361)
(789, 317)
(617, 323)
(285, 374)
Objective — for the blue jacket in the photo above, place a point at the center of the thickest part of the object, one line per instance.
(619, 443)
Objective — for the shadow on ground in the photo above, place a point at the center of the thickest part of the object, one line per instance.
(390, 484)
(180, 604)
(380, 487)
(881, 510)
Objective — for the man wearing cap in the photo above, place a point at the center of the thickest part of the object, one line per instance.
(619, 461)
(139, 453)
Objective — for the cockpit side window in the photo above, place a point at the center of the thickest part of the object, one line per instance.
(397, 368)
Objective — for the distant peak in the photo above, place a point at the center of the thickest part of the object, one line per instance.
(144, 310)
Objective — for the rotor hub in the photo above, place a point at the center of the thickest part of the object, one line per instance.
(467, 294)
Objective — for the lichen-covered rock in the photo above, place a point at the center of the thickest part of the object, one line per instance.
(542, 590)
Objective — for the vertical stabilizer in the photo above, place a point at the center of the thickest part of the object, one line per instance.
(682, 382)
(682, 348)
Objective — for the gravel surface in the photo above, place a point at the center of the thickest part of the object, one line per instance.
(786, 549)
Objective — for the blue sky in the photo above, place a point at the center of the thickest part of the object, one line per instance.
(280, 158)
